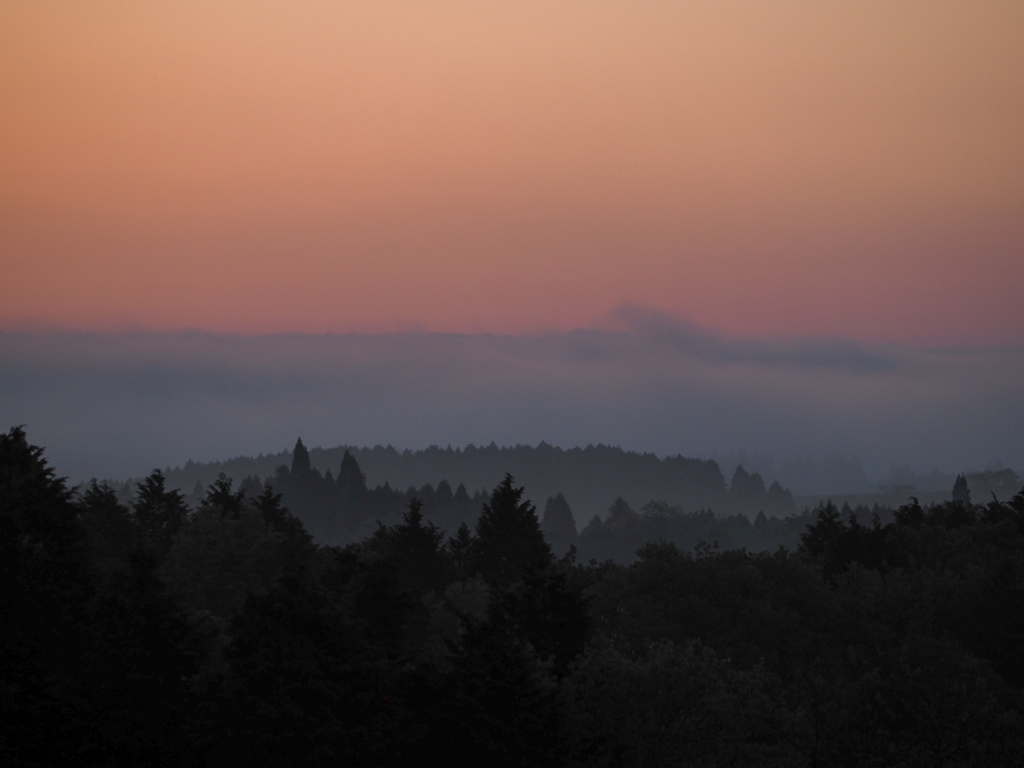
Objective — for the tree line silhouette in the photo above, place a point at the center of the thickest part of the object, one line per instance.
(589, 478)
(159, 633)
(342, 508)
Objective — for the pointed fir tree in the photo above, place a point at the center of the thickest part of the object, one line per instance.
(558, 525)
(780, 500)
(159, 513)
(351, 479)
(45, 586)
(961, 491)
(740, 483)
(509, 540)
(300, 459)
(416, 548)
(221, 498)
(459, 549)
(109, 529)
(353, 495)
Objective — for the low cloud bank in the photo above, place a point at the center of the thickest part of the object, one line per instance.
(119, 405)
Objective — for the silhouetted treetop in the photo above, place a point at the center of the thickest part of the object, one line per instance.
(160, 513)
(300, 459)
(961, 491)
(351, 479)
(509, 542)
(220, 497)
(25, 476)
(558, 525)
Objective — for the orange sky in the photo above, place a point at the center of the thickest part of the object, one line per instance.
(764, 168)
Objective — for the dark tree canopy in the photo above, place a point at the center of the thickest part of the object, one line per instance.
(159, 513)
(415, 548)
(109, 528)
(460, 548)
(509, 542)
(221, 498)
(894, 643)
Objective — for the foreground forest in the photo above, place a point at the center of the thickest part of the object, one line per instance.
(150, 632)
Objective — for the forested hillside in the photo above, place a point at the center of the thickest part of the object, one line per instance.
(590, 479)
(340, 506)
(157, 633)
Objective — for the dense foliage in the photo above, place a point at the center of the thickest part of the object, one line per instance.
(156, 633)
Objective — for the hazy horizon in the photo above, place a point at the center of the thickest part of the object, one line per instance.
(117, 405)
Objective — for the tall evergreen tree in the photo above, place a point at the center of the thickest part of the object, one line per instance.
(961, 491)
(301, 464)
(44, 588)
(110, 530)
(558, 525)
(780, 500)
(159, 513)
(351, 479)
(221, 498)
(509, 540)
(353, 493)
(747, 492)
(416, 549)
(459, 549)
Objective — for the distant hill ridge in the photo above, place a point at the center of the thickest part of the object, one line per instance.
(590, 478)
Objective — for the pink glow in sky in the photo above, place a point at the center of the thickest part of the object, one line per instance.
(764, 169)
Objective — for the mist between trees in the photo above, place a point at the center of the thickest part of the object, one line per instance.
(339, 506)
(613, 500)
(144, 629)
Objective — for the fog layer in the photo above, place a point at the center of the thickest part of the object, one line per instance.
(119, 405)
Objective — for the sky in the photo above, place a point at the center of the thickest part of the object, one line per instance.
(785, 226)
(763, 169)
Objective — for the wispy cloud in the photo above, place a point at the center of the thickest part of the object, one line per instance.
(689, 337)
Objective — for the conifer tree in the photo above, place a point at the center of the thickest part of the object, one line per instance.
(44, 587)
(351, 479)
(159, 513)
(460, 547)
(509, 540)
(558, 525)
(221, 498)
(961, 491)
(415, 547)
(300, 459)
(354, 497)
